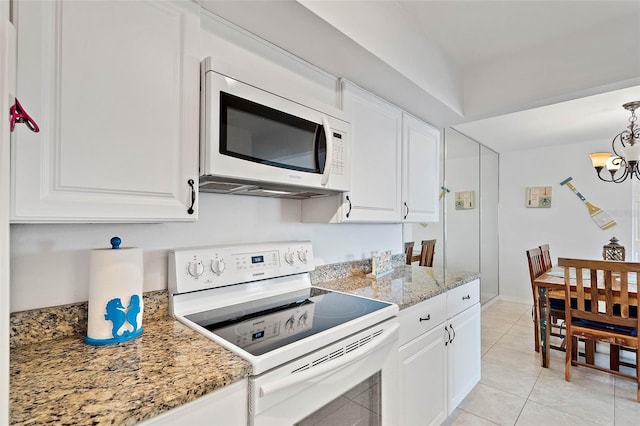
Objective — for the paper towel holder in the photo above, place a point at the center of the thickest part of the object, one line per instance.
(110, 312)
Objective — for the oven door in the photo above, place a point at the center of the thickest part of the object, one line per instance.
(251, 135)
(357, 376)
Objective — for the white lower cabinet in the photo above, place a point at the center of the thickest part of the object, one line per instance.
(423, 379)
(227, 406)
(463, 356)
(439, 354)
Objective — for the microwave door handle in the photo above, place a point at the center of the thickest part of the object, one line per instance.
(329, 157)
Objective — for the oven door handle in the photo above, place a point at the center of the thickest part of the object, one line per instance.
(330, 366)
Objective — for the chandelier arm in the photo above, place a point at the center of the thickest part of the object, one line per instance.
(625, 174)
(635, 171)
(613, 143)
(598, 170)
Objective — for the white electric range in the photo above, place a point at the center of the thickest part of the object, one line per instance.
(306, 345)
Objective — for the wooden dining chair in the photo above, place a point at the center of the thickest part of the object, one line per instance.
(556, 298)
(427, 252)
(538, 267)
(546, 256)
(612, 284)
(408, 252)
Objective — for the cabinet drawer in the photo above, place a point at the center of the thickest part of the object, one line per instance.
(463, 297)
(420, 318)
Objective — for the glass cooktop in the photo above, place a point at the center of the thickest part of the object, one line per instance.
(262, 326)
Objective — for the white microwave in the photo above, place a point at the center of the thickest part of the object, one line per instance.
(253, 142)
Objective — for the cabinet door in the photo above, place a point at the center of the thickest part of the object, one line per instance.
(376, 132)
(464, 355)
(227, 406)
(423, 379)
(114, 87)
(420, 170)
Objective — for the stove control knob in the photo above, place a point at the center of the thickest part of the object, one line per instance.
(288, 257)
(217, 266)
(302, 255)
(289, 324)
(195, 269)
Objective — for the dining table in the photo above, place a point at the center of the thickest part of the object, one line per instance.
(553, 281)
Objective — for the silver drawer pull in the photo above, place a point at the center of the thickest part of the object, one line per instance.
(467, 297)
(425, 319)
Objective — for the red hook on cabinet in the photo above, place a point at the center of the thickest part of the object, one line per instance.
(19, 115)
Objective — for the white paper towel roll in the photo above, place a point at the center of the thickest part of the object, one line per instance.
(115, 295)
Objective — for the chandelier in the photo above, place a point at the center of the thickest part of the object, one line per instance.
(624, 164)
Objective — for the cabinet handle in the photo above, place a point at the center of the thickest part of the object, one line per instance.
(193, 195)
(425, 319)
(448, 339)
(407, 207)
(467, 297)
(349, 212)
(454, 333)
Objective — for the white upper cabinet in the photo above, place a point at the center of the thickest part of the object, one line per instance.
(376, 133)
(395, 166)
(420, 170)
(376, 158)
(114, 87)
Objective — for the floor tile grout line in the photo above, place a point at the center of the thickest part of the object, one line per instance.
(526, 400)
(478, 416)
(538, 376)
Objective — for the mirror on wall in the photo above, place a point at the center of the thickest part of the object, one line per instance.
(467, 233)
(489, 168)
(417, 232)
(462, 206)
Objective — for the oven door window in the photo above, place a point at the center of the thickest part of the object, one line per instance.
(257, 133)
(360, 404)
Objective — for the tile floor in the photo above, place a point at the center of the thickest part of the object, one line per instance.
(515, 390)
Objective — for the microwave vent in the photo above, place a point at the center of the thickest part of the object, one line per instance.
(258, 189)
(224, 187)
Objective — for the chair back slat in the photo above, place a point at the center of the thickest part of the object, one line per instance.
(608, 292)
(580, 296)
(624, 294)
(593, 289)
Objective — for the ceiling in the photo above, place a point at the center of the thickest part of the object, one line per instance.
(510, 74)
(477, 31)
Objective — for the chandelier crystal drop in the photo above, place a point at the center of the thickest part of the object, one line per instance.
(623, 163)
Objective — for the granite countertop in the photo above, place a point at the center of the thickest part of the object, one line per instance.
(62, 380)
(406, 286)
(55, 378)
